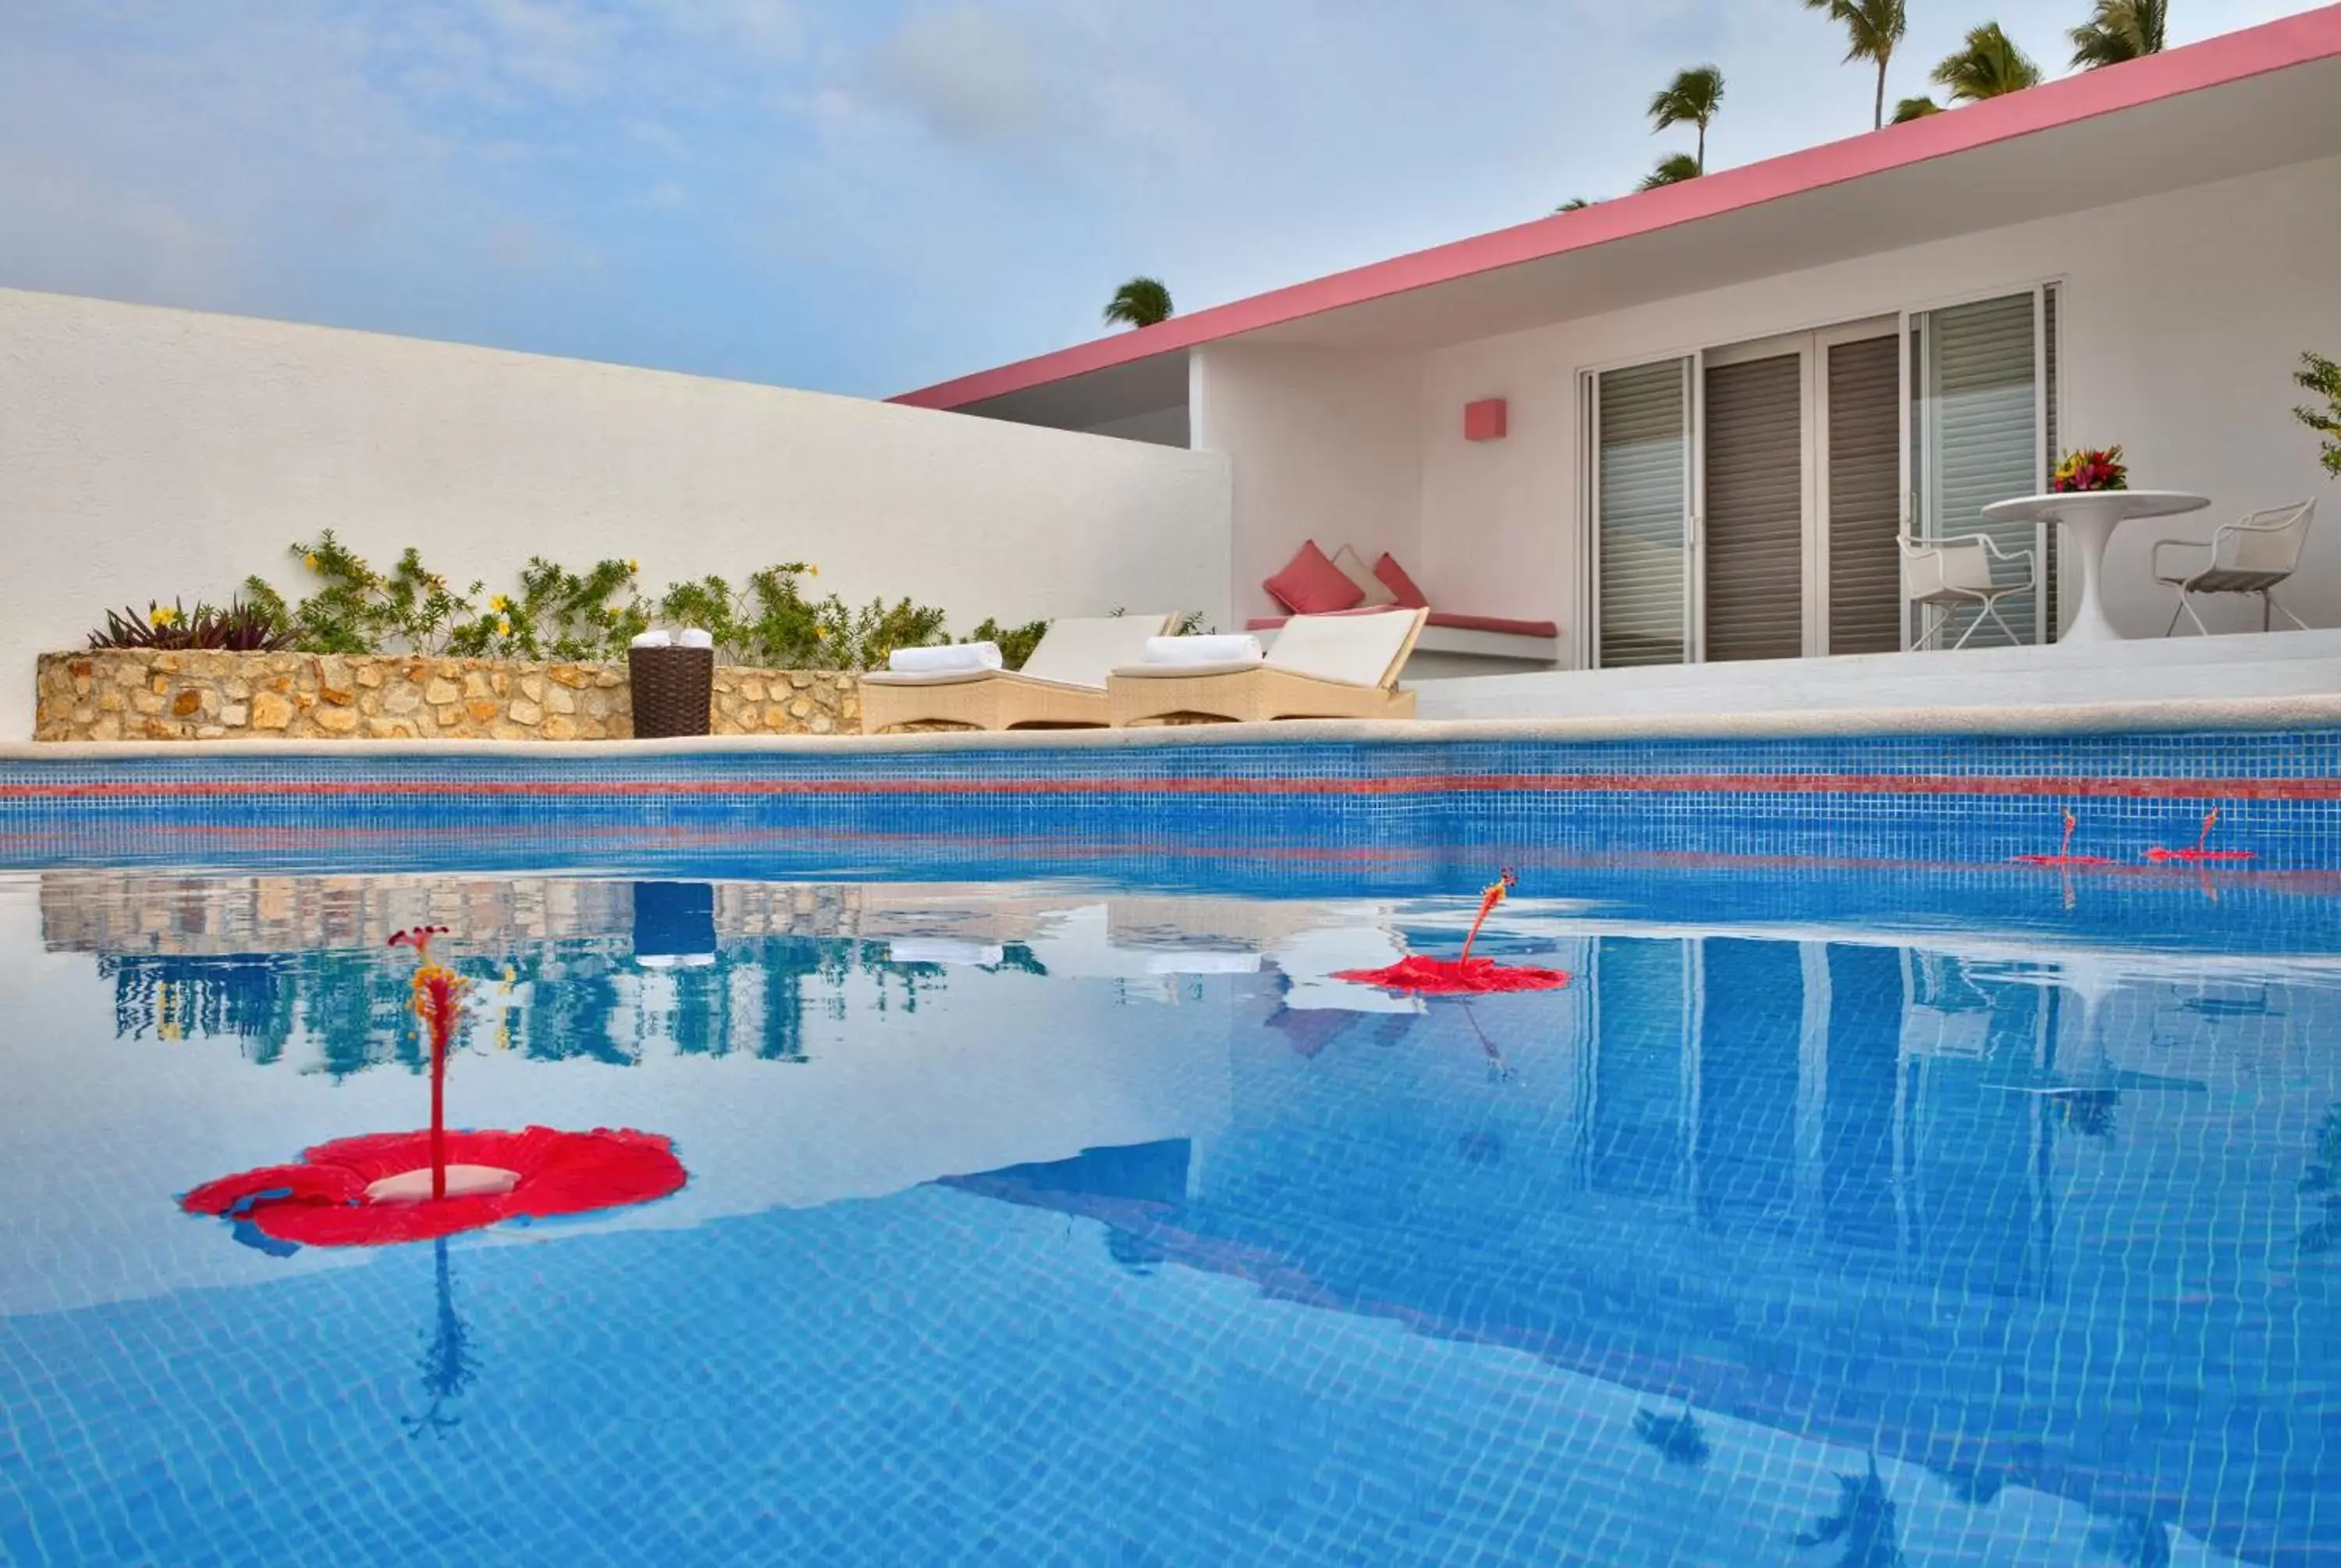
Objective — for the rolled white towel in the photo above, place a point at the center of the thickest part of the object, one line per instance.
(1225, 648)
(694, 637)
(658, 638)
(956, 656)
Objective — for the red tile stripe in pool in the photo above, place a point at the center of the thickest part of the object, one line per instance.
(2045, 787)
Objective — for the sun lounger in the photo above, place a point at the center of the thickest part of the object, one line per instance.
(1062, 686)
(1341, 666)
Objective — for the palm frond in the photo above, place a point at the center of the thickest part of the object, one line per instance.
(1919, 108)
(1872, 27)
(1672, 170)
(2119, 30)
(1692, 98)
(1140, 302)
(1988, 65)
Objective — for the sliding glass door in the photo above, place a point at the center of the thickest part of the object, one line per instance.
(1746, 502)
(1643, 513)
(1983, 401)
(1752, 556)
(1860, 503)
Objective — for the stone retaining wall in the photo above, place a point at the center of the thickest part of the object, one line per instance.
(121, 694)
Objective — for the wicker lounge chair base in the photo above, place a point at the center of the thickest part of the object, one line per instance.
(995, 700)
(1322, 667)
(1061, 687)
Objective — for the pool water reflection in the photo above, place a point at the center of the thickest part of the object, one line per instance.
(1042, 1223)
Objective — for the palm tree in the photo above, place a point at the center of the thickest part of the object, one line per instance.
(2121, 30)
(1672, 170)
(1140, 302)
(1872, 28)
(1574, 204)
(1989, 66)
(1690, 99)
(1910, 109)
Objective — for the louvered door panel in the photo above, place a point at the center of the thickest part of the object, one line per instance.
(1863, 394)
(1643, 515)
(1981, 425)
(1754, 525)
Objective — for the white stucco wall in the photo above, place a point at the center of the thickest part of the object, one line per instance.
(151, 453)
(1325, 445)
(2184, 318)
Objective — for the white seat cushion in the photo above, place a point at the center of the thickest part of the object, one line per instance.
(1079, 650)
(1353, 649)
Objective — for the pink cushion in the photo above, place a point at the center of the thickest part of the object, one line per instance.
(1443, 618)
(1395, 579)
(1310, 584)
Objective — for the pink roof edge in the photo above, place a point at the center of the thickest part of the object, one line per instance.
(2230, 57)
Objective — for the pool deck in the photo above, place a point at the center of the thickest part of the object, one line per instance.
(2305, 710)
(2253, 681)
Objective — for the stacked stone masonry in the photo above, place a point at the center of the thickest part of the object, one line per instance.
(136, 695)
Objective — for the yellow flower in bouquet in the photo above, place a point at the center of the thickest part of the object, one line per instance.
(2087, 471)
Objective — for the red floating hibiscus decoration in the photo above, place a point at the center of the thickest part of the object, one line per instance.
(2202, 852)
(385, 1187)
(2064, 855)
(361, 1191)
(1463, 975)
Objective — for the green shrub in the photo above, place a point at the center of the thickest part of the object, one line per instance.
(770, 621)
(361, 610)
(772, 624)
(559, 615)
(1016, 643)
(2323, 376)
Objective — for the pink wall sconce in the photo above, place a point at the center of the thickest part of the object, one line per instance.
(1487, 420)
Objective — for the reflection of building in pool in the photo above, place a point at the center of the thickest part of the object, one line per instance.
(1859, 1096)
(562, 1000)
(1841, 1180)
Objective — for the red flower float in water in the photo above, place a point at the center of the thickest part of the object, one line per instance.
(2199, 854)
(1463, 975)
(386, 1188)
(2064, 855)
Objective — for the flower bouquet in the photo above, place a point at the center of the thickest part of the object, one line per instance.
(2090, 470)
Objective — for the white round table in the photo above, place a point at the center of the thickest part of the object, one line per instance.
(2089, 518)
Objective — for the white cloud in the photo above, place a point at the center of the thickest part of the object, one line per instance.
(640, 177)
(964, 74)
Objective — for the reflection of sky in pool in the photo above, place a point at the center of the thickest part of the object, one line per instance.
(1034, 1223)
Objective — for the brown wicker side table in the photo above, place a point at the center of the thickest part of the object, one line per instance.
(674, 690)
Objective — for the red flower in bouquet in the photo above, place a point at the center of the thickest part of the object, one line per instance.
(2090, 471)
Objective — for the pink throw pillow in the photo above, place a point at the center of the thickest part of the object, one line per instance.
(1310, 584)
(1394, 577)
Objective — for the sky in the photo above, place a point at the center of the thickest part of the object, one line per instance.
(860, 196)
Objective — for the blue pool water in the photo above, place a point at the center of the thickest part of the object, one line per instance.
(1069, 1215)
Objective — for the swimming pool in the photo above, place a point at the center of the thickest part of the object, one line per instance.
(1050, 1198)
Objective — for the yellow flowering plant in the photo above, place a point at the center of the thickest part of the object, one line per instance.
(359, 609)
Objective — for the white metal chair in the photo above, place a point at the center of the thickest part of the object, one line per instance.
(1942, 574)
(2251, 556)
